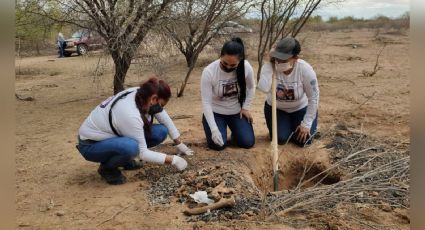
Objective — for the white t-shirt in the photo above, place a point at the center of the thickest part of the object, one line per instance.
(220, 90)
(127, 122)
(294, 91)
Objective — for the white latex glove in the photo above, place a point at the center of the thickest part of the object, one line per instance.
(184, 149)
(216, 137)
(179, 162)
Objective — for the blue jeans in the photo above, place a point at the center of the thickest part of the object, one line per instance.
(242, 131)
(118, 151)
(287, 123)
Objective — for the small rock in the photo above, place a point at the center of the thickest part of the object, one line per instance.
(244, 216)
(333, 227)
(397, 194)
(60, 213)
(359, 205)
(385, 207)
(250, 213)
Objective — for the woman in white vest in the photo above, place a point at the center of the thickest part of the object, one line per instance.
(121, 128)
(297, 93)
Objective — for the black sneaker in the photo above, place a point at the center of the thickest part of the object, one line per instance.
(112, 176)
(133, 165)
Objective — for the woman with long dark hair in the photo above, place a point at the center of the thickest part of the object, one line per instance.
(297, 93)
(121, 128)
(227, 89)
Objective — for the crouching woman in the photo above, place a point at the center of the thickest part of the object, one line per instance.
(121, 128)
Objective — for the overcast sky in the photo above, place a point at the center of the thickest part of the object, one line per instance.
(365, 8)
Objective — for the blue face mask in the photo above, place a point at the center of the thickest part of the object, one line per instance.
(154, 109)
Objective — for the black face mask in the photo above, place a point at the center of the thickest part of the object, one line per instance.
(154, 109)
(227, 70)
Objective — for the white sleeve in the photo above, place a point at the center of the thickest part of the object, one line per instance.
(207, 94)
(311, 89)
(250, 86)
(265, 82)
(165, 119)
(132, 127)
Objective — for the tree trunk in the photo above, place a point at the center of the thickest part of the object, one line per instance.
(122, 64)
(189, 58)
(37, 48)
(191, 61)
(186, 79)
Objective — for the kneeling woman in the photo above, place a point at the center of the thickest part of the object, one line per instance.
(121, 128)
(297, 93)
(227, 89)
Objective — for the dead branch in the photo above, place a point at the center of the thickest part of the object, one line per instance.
(24, 98)
(320, 197)
(376, 67)
(113, 216)
(177, 117)
(224, 202)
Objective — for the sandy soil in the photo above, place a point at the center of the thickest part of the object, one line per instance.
(58, 189)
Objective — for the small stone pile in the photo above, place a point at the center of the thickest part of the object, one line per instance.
(218, 181)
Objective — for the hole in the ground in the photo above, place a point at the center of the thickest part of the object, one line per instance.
(299, 172)
(305, 173)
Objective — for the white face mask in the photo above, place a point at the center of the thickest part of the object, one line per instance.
(281, 67)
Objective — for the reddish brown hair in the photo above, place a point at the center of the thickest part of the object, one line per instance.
(146, 90)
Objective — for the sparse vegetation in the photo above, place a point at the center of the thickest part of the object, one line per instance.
(354, 170)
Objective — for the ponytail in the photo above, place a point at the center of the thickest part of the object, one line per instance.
(236, 47)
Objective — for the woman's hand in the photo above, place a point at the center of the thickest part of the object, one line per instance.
(216, 137)
(247, 114)
(184, 149)
(302, 134)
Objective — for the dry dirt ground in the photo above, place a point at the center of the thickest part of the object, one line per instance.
(57, 189)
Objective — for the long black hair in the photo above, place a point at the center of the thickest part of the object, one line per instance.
(235, 47)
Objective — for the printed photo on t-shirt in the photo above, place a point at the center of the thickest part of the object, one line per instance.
(228, 88)
(285, 92)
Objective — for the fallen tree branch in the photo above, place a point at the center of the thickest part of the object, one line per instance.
(23, 98)
(113, 216)
(176, 117)
(224, 202)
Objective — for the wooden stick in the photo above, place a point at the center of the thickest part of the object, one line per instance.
(229, 202)
(116, 214)
(274, 132)
(176, 117)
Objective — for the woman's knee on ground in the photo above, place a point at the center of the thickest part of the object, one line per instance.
(246, 142)
(217, 147)
(301, 144)
(282, 139)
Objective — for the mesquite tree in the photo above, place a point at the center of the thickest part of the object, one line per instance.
(123, 24)
(192, 24)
